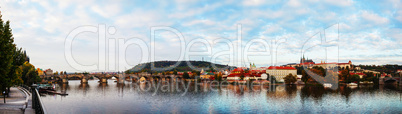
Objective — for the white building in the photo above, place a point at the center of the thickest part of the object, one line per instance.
(280, 72)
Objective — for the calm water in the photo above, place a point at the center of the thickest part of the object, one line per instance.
(204, 98)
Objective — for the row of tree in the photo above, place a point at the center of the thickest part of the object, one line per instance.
(344, 76)
(14, 68)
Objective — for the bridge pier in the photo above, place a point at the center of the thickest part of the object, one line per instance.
(381, 81)
(121, 79)
(64, 81)
(83, 80)
(103, 80)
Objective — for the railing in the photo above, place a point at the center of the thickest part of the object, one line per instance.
(26, 87)
(37, 102)
(26, 90)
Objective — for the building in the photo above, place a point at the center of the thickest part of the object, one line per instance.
(40, 72)
(235, 75)
(334, 64)
(207, 75)
(279, 72)
(48, 72)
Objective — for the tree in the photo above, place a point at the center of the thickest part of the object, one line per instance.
(218, 77)
(211, 69)
(355, 78)
(272, 79)
(344, 76)
(29, 74)
(7, 48)
(186, 76)
(175, 72)
(290, 79)
(15, 71)
(242, 75)
(305, 77)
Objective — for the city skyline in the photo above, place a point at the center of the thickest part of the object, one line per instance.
(369, 33)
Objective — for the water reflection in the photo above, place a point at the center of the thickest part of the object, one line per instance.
(188, 97)
(84, 88)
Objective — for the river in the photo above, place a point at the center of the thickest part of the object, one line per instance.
(207, 98)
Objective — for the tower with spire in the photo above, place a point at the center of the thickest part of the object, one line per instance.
(304, 60)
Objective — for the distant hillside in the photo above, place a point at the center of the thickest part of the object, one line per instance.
(145, 67)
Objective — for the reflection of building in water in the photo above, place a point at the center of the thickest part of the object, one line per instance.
(277, 92)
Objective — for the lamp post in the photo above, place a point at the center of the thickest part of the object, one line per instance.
(4, 96)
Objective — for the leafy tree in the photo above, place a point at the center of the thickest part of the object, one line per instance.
(186, 76)
(272, 79)
(355, 78)
(305, 77)
(29, 75)
(15, 71)
(175, 72)
(290, 79)
(7, 49)
(218, 77)
(211, 69)
(344, 76)
(242, 75)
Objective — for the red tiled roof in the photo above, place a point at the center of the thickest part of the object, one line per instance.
(357, 73)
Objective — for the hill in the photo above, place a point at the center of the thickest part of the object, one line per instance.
(183, 66)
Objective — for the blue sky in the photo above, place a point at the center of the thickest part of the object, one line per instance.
(370, 32)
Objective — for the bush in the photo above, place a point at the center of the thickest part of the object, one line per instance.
(290, 79)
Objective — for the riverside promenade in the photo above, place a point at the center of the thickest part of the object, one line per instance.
(16, 103)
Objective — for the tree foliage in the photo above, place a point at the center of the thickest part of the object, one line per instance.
(305, 77)
(186, 75)
(289, 79)
(7, 49)
(29, 74)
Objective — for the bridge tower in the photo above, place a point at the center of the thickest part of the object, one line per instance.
(102, 78)
(84, 78)
(64, 79)
(121, 78)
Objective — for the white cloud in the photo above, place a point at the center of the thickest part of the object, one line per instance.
(340, 2)
(41, 29)
(398, 16)
(374, 18)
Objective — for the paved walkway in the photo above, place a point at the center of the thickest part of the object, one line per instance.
(15, 103)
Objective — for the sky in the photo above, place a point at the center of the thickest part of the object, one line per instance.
(89, 35)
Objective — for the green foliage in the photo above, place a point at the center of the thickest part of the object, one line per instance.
(218, 77)
(186, 76)
(15, 71)
(7, 49)
(183, 66)
(85, 73)
(242, 77)
(290, 79)
(305, 77)
(344, 75)
(355, 78)
(29, 74)
(272, 79)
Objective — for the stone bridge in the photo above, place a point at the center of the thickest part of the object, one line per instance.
(119, 77)
(390, 80)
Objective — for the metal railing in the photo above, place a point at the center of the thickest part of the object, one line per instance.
(37, 102)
